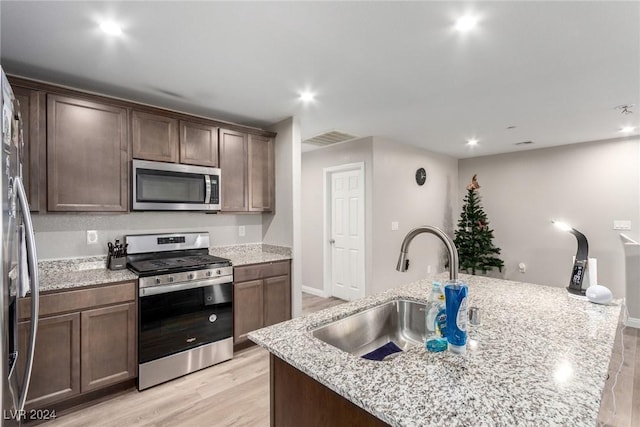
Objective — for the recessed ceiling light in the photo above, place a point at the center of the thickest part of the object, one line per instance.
(307, 96)
(111, 27)
(627, 129)
(472, 141)
(466, 23)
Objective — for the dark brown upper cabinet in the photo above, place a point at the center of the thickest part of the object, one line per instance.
(164, 138)
(234, 171)
(198, 144)
(261, 174)
(248, 172)
(87, 155)
(34, 174)
(154, 137)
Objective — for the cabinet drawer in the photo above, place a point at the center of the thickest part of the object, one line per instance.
(77, 300)
(260, 271)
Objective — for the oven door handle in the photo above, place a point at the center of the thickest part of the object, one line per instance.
(164, 289)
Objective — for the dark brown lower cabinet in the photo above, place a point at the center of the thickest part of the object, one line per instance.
(86, 341)
(108, 346)
(296, 396)
(247, 302)
(261, 297)
(56, 368)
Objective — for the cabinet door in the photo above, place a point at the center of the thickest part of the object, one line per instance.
(56, 364)
(277, 300)
(233, 170)
(155, 137)
(87, 156)
(108, 346)
(198, 144)
(247, 309)
(34, 173)
(261, 174)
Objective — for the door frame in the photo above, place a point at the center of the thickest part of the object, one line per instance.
(326, 223)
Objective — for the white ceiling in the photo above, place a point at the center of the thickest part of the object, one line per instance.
(397, 70)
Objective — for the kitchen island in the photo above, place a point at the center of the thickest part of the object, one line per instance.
(539, 357)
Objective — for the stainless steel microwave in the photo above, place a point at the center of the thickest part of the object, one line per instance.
(163, 186)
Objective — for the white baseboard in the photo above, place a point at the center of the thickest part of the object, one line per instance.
(632, 322)
(314, 291)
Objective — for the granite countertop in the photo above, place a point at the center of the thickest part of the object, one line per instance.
(78, 272)
(255, 253)
(539, 357)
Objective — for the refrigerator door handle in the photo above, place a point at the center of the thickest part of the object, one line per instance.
(32, 262)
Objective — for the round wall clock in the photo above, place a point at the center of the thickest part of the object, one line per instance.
(421, 176)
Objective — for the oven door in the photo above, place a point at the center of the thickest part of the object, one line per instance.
(174, 319)
(170, 186)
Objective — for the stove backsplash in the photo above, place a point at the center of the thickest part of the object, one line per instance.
(65, 236)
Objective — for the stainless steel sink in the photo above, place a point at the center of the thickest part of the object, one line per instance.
(399, 321)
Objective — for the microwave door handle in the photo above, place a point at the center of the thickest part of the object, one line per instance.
(32, 262)
(207, 189)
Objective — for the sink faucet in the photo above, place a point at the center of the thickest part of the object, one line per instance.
(403, 262)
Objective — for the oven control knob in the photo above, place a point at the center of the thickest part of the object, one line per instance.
(190, 276)
(218, 272)
(209, 273)
(157, 280)
(170, 278)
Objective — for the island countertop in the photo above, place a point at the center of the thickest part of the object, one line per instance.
(539, 357)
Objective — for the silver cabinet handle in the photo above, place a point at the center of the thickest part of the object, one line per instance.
(32, 263)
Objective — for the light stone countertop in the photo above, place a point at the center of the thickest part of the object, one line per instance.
(79, 272)
(255, 253)
(86, 271)
(539, 357)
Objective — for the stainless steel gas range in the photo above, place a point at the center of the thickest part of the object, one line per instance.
(185, 305)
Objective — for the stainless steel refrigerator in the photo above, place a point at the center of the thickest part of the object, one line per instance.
(18, 267)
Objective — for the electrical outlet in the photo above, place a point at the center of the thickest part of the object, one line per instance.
(428, 269)
(241, 231)
(394, 226)
(92, 237)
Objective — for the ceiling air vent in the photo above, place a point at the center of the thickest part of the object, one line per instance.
(329, 138)
(524, 143)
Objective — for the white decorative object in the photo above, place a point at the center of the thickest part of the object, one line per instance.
(599, 294)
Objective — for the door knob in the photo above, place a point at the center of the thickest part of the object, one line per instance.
(332, 241)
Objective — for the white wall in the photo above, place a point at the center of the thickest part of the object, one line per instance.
(277, 227)
(588, 185)
(391, 195)
(397, 197)
(312, 206)
(64, 235)
(282, 228)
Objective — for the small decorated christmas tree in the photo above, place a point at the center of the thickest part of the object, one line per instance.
(474, 238)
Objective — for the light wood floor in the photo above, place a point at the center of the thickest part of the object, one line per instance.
(627, 389)
(236, 393)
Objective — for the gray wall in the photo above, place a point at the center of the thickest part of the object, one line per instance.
(312, 205)
(277, 226)
(397, 197)
(281, 227)
(588, 185)
(64, 235)
(391, 195)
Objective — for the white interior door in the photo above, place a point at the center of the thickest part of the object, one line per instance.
(347, 234)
